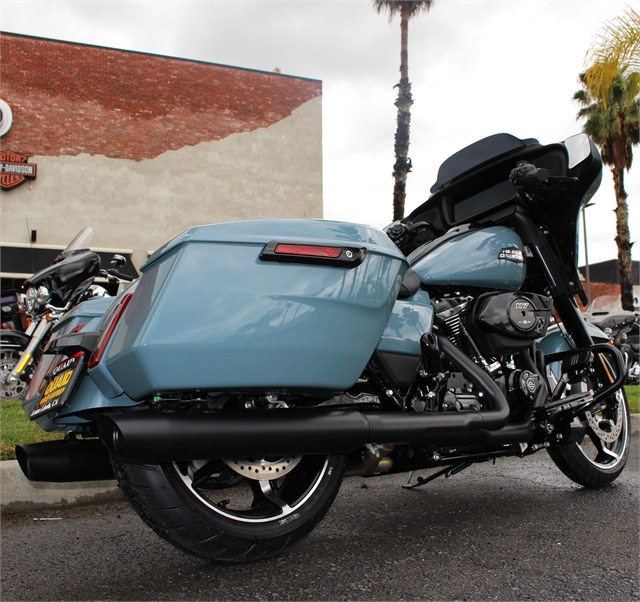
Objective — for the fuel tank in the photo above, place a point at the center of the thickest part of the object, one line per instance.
(491, 258)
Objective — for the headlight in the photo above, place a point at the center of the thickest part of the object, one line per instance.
(31, 299)
(43, 295)
(22, 302)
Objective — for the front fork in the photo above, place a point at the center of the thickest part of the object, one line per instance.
(26, 357)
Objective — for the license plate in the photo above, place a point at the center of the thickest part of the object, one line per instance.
(59, 385)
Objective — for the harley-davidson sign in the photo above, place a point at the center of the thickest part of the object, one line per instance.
(14, 169)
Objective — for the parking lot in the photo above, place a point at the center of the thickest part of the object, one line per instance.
(516, 530)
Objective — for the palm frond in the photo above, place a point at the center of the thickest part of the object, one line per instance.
(395, 7)
(616, 49)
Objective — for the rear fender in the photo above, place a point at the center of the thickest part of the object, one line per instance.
(76, 332)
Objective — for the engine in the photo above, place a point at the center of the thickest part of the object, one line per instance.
(490, 328)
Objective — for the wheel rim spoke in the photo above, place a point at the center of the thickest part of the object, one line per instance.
(604, 454)
(609, 443)
(252, 500)
(605, 450)
(267, 490)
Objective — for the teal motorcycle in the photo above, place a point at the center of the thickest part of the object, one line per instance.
(256, 364)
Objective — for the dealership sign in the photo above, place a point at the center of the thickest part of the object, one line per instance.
(14, 169)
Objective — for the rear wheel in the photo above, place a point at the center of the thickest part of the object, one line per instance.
(600, 458)
(233, 510)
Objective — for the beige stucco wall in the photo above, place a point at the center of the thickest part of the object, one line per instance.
(272, 172)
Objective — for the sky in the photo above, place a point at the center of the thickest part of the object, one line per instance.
(477, 67)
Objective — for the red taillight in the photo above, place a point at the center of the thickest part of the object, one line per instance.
(78, 328)
(308, 250)
(107, 332)
(38, 379)
(303, 252)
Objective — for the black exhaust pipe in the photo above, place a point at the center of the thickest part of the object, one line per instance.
(65, 462)
(149, 435)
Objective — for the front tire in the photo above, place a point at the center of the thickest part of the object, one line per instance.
(9, 356)
(233, 510)
(600, 458)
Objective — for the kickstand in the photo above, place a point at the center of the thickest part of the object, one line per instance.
(447, 472)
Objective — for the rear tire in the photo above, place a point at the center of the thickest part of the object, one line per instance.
(600, 458)
(186, 503)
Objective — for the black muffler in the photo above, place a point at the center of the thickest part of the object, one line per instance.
(64, 461)
(150, 435)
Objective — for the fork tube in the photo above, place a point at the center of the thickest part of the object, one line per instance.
(27, 355)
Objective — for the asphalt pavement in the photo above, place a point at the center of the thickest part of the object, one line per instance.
(516, 530)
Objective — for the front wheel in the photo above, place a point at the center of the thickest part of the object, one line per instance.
(235, 510)
(11, 348)
(600, 458)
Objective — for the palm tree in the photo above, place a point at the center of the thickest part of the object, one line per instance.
(610, 99)
(406, 9)
(616, 48)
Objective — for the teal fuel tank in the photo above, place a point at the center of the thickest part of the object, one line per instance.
(490, 258)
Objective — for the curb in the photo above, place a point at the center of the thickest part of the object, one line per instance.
(18, 494)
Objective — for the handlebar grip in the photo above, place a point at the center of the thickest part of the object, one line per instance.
(528, 176)
(538, 176)
(119, 275)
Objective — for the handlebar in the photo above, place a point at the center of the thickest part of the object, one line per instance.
(528, 178)
(113, 273)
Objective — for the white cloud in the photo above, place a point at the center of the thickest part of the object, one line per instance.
(477, 67)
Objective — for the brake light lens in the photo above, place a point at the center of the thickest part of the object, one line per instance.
(109, 329)
(38, 379)
(78, 328)
(303, 252)
(308, 251)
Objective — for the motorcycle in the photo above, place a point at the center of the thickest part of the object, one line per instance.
(48, 297)
(622, 328)
(256, 364)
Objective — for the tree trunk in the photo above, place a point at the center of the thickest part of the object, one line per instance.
(404, 101)
(622, 240)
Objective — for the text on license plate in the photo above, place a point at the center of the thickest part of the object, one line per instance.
(61, 381)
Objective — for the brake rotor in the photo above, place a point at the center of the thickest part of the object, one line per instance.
(262, 469)
(606, 429)
(15, 390)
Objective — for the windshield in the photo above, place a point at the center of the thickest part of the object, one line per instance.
(477, 154)
(604, 304)
(82, 240)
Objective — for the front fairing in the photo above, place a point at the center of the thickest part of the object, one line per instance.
(74, 274)
(475, 189)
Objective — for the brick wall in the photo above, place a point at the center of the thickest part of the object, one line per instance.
(70, 98)
(599, 289)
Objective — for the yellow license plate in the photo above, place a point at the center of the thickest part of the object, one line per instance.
(60, 383)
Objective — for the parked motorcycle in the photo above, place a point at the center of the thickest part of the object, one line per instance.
(48, 297)
(623, 329)
(256, 364)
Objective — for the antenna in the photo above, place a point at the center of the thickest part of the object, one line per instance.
(30, 236)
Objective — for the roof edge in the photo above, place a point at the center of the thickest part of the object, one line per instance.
(164, 56)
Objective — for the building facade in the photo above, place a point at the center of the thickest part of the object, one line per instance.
(142, 147)
(604, 280)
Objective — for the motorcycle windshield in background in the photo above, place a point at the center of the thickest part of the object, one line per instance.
(82, 240)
